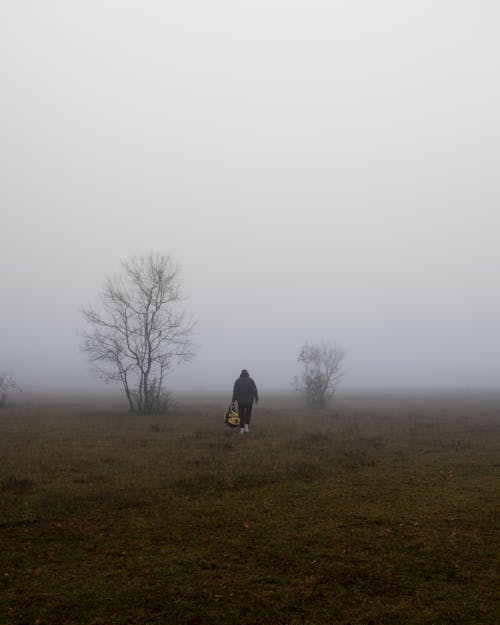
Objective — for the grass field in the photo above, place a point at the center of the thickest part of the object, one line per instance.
(380, 510)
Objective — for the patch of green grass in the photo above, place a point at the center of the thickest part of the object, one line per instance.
(358, 516)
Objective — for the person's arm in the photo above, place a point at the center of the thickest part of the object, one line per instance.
(256, 394)
(235, 391)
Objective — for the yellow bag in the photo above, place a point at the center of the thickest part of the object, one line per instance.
(232, 418)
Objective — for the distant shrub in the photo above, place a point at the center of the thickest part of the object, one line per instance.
(321, 372)
(7, 383)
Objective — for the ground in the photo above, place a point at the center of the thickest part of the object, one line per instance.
(381, 509)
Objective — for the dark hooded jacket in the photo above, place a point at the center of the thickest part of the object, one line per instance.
(245, 390)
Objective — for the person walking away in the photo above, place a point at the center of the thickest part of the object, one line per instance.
(244, 392)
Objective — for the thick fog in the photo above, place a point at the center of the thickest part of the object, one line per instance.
(320, 170)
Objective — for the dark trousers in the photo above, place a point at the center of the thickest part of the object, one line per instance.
(245, 412)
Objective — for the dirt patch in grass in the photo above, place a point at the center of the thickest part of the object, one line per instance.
(16, 485)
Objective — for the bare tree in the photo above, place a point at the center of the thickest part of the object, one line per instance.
(321, 372)
(7, 384)
(140, 331)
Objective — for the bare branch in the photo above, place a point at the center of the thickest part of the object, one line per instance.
(321, 372)
(140, 329)
(7, 384)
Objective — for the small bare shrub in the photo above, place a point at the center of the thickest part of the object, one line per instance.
(321, 372)
(7, 383)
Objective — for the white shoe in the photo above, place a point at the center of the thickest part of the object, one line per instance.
(247, 429)
(242, 431)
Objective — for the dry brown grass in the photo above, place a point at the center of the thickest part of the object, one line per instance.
(381, 510)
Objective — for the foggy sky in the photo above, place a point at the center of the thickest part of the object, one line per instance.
(320, 170)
